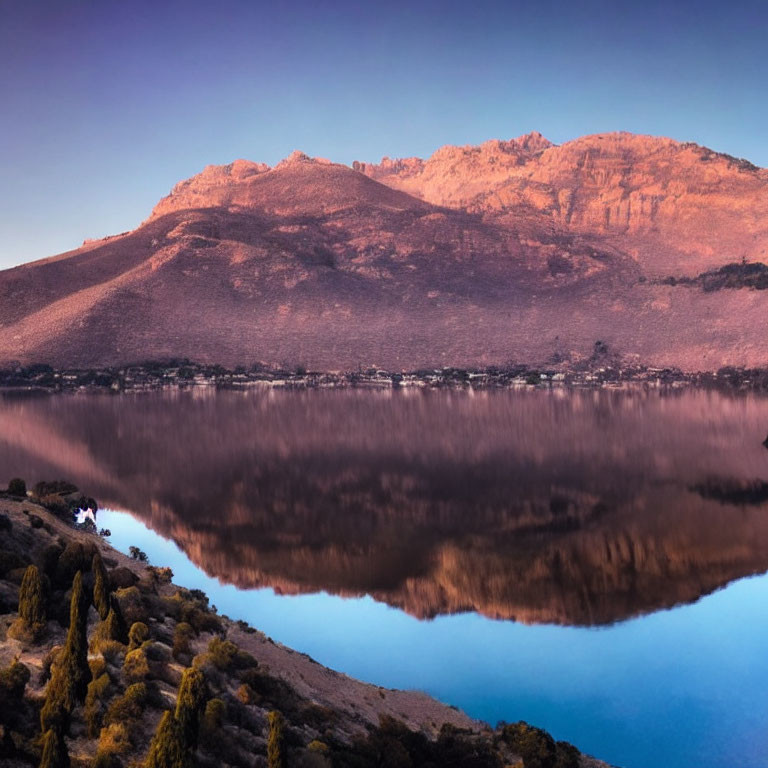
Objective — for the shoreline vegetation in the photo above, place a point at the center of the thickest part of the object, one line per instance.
(106, 663)
(597, 372)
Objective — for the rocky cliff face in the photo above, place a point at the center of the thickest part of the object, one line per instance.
(677, 208)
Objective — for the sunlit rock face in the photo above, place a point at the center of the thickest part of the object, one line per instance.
(677, 208)
(582, 509)
(513, 250)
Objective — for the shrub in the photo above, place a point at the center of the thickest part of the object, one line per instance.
(113, 740)
(138, 634)
(535, 746)
(213, 719)
(136, 666)
(246, 695)
(182, 635)
(159, 575)
(31, 621)
(125, 710)
(131, 605)
(138, 554)
(94, 704)
(189, 706)
(13, 681)
(274, 690)
(167, 749)
(106, 631)
(191, 607)
(226, 656)
(112, 651)
(17, 487)
(275, 741)
(101, 590)
(55, 754)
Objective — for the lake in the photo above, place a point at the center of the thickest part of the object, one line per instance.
(589, 561)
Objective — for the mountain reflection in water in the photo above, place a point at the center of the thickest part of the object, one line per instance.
(582, 508)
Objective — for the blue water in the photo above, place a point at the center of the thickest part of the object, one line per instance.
(682, 688)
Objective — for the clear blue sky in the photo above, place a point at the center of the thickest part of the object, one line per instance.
(105, 105)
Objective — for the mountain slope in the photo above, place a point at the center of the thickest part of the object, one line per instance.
(516, 250)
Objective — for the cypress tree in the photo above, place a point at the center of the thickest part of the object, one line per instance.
(189, 706)
(32, 597)
(32, 614)
(101, 590)
(55, 754)
(77, 638)
(167, 749)
(275, 755)
(71, 675)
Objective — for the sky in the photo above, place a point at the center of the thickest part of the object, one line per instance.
(105, 105)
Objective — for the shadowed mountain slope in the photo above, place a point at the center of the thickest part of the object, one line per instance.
(514, 250)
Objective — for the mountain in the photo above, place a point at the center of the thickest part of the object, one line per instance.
(511, 251)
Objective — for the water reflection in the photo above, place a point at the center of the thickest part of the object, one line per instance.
(571, 508)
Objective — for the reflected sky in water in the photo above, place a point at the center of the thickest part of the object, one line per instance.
(678, 688)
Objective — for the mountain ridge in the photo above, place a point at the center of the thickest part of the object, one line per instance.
(516, 250)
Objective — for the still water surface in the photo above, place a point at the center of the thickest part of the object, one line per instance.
(589, 561)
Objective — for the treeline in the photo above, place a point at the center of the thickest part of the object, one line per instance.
(751, 275)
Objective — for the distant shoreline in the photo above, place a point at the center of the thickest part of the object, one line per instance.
(184, 375)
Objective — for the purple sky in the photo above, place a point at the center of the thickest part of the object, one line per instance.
(105, 105)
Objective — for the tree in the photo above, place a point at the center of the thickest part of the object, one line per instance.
(55, 754)
(189, 706)
(76, 647)
(101, 590)
(32, 614)
(166, 749)
(32, 597)
(71, 675)
(17, 487)
(275, 741)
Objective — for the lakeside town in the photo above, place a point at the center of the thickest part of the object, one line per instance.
(185, 374)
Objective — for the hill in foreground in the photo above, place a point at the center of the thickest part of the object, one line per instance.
(105, 662)
(511, 251)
